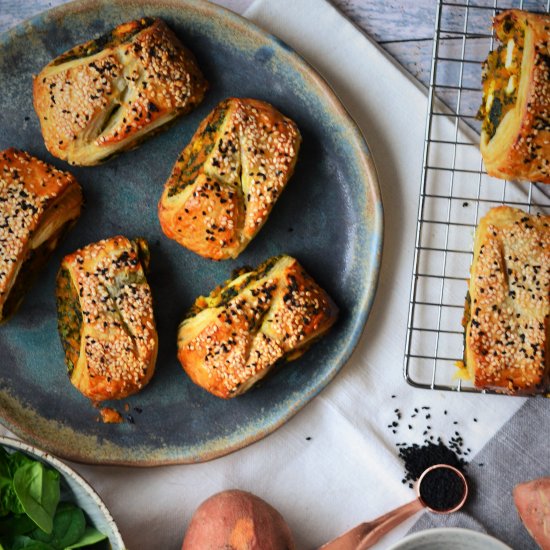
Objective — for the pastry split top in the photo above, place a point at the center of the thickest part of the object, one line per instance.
(227, 180)
(36, 201)
(233, 337)
(111, 346)
(105, 95)
(507, 333)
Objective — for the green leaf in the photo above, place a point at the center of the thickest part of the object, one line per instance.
(16, 525)
(4, 455)
(90, 536)
(18, 459)
(69, 525)
(26, 543)
(8, 499)
(38, 490)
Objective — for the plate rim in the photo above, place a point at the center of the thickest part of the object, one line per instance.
(455, 532)
(371, 188)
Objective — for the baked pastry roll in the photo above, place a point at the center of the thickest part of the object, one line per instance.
(105, 318)
(233, 337)
(508, 307)
(228, 178)
(515, 134)
(104, 96)
(38, 204)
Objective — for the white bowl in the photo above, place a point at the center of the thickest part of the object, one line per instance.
(449, 538)
(75, 489)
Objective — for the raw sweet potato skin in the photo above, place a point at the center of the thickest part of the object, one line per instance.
(532, 500)
(237, 520)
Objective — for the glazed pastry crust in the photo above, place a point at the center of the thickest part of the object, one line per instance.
(234, 337)
(227, 180)
(105, 318)
(508, 323)
(38, 203)
(520, 148)
(104, 96)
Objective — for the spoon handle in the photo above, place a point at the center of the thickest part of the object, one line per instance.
(367, 534)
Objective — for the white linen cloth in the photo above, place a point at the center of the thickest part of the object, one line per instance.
(335, 463)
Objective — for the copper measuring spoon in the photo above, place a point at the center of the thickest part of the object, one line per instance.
(367, 534)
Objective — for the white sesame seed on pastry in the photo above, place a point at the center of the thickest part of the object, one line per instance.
(515, 137)
(227, 180)
(38, 204)
(233, 337)
(105, 318)
(106, 95)
(508, 311)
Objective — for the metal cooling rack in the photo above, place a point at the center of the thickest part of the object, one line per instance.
(455, 192)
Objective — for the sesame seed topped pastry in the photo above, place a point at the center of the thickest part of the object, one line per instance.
(104, 96)
(228, 178)
(38, 204)
(515, 135)
(508, 309)
(233, 337)
(105, 318)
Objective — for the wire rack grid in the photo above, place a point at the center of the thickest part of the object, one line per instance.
(455, 191)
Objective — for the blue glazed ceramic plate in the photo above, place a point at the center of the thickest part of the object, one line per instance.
(329, 217)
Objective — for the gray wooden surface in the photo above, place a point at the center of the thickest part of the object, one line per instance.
(404, 28)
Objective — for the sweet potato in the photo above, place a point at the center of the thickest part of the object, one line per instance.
(237, 520)
(532, 500)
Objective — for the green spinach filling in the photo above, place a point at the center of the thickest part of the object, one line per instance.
(108, 40)
(500, 77)
(69, 318)
(465, 321)
(195, 154)
(231, 288)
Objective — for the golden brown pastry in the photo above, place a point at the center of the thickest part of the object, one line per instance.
(105, 318)
(508, 308)
(106, 95)
(38, 204)
(234, 336)
(228, 178)
(515, 136)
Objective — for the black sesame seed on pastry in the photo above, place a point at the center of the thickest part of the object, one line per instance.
(105, 318)
(233, 337)
(38, 204)
(508, 308)
(106, 95)
(227, 180)
(515, 137)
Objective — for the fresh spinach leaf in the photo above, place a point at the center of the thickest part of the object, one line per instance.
(4, 456)
(33, 517)
(16, 525)
(8, 499)
(26, 543)
(90, 536)
(16, 460)
(69, 525)
(38, 489)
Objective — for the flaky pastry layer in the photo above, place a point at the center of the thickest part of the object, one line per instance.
(233, 337)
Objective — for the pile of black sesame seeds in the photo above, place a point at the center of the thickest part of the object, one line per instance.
(417, 457)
